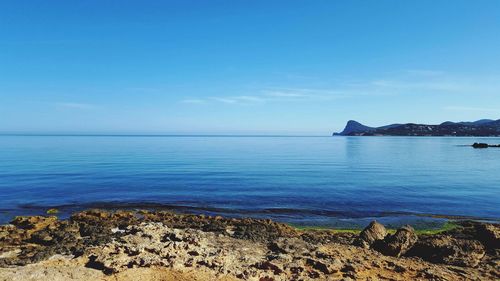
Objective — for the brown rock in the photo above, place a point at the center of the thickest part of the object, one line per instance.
(292, 246)
(489, 234)
(250, 229)
(119, 243)
(373, 232)
(324, 267)
(11, 235)
(448, 250)
(266, 265)
(397, 244)
(33, 223)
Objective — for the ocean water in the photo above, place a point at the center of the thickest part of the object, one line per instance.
(322, 181)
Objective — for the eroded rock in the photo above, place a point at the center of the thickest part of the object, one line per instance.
(397, 244)
(448, 250)
(33, 223)
(245, 249)
(489, 235)
(373, 232)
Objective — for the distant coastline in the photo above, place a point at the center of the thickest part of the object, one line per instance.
(480, 128)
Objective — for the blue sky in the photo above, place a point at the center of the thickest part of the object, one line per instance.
(245, 67)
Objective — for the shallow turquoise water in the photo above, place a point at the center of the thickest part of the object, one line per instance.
(330, 181)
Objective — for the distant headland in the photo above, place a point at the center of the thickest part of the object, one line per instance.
(480, 128)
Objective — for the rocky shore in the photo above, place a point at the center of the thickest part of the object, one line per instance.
(157, 245)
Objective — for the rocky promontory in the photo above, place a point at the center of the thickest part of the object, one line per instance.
(159, 245)
(479, 128)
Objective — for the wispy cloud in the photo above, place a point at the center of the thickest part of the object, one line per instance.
(406, 82)
(245, 99)
(441, 85)
(469, 108)
(278, 94)
(193, 101)
(285, 94)
(250, 99)
(304, 93)
(75, 105)
(228, 100)
(437, 82)
(143, 89)
(425, 72)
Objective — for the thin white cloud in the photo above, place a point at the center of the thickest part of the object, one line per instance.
(309, 91)
(193, 101)
(225, 100)
(407, 82)
(421, 85)
(75, 105)
(284, 94)
(425, 72)
(245, 99)
(143, 89)
(436, 82)
(250, 98)
(276, 95)
(303, 93)
(469, 108)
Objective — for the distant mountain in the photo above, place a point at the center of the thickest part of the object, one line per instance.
(483, 128)
(353, 127)
(478, 122)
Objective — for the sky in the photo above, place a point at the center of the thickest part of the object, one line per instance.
(245, 67)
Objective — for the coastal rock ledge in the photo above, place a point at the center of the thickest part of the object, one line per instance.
(159, 245)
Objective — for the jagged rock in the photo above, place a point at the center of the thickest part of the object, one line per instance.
(324, 267)
(266, 265)
(104, 219)
(326, 236)
(486, 233)
(373, 232)
(293, 246)
(154, 244)
(252, 229)
(247, 249)
(11, 235)
(33, 223)
(489, 235)
(397, 244)
(261, 230)
(448, 250)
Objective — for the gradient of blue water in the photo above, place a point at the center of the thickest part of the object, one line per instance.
(305, 180)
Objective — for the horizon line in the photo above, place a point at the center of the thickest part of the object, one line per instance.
(154, 135)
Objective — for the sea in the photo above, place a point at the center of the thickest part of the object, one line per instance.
(334, 182)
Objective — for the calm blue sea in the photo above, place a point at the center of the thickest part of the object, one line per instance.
(328, 181)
